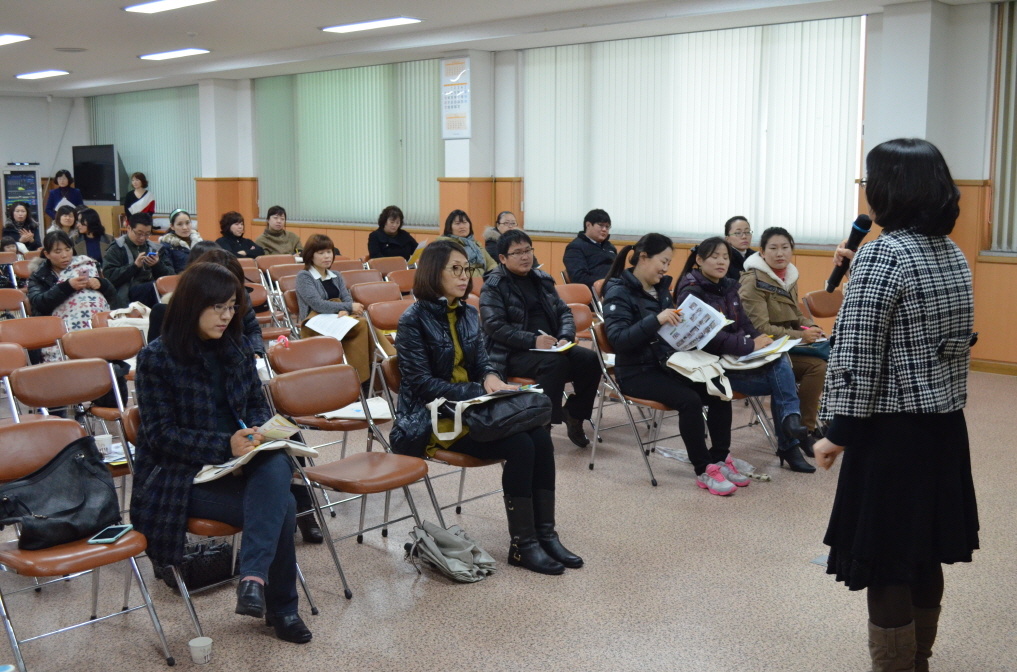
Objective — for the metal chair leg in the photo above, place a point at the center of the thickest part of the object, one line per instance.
(388, 499)
(413, 507)
(462, 486)
(127, 590)
(331, 545)
(363, 511)
(11, 637)
(95, 594)
(596, 426)
(434, 502)
(345, 436)
(187, 598)
(639, 443)
(151, 612)
(307, 593)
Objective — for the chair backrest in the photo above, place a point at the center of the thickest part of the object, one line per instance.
(21, 268)
(390, 372)
(600, 338)
(34, 254)
(352, 278)
(824, 304)
(167, 284)
(306, 353)
(8, 258)
(132, 423)
(385, 314)
(267, 261)
(314, 391)
(247, 263)
(582, 315)
(478, 284)
(474, 301)
(287, 283)
(403, 278)
(387, 264)
(575, 293)
(340, 265)
(258, 294)
(340, 257)
(375, 292)
(292, 304)
(252, 274)
(12, 357)
(33, 333)
(61, 383)
(107, 343)
(13, 299)
(598, 285)
(284, 270)
(29, 446)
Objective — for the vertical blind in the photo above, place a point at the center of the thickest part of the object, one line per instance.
(156, 133)
(341, 145)
(678, 133)
(1004, 210)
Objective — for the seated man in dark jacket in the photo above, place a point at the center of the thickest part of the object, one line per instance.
(133, 264)
(521, 311)
(589, 257)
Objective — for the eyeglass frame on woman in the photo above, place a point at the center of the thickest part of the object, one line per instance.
(739, 234)
(222, 308)
(468, 269)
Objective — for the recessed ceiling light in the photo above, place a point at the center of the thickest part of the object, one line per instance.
(43, 74)
(70, 50)
(11, 39)
(163, 6)
(179, 53)
(371, 25)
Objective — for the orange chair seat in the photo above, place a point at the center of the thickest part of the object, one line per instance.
(585, 335)
(105, 413)
(118, 470)
(364, 473)
(266, 318)
(737, 395)
(272, 333)
(32, 417)
(77, 556)
(452, 458)
(211, 528)
(337, 425)
(649, 403)
(522, 381)
(130, 375)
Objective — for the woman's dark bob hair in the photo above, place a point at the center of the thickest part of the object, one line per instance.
(63, 173)
(141, 177)
(909, 186)
(229, 219)
(652, 244)
(315, 244)
(201, 286)
(90, 218)
(276, 210)
(390, 211)
(452, 217)
(64, 210)
(427, 284)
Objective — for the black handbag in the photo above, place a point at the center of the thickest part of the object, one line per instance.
(204, 564)
(505, 416)
(72, 497)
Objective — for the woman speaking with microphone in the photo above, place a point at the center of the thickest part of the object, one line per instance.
(896, 387)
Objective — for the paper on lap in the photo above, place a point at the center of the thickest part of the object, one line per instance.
(332, 325)
(211, 472)
(355, 411)
(700, 323)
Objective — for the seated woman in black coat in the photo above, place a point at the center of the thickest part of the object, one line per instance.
(231, 226)
(46, 291)
(441, 354)
(201, 403)
(389, 239)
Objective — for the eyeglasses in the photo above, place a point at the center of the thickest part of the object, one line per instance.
(141, 234)
(509, 224)
(458, 270)
(604, 225)
(739, 234)
(225, 308)
(520, 253)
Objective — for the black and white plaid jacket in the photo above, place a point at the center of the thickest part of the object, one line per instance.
(902, 341)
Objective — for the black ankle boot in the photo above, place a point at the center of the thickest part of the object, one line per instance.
(795, 461)
(543, 520)
(793, 427)
(525, 550)
(309, 530)
(575, 428)
(806, 446)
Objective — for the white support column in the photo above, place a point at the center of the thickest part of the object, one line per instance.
(508, 117)
(474, 157)
(227, 138)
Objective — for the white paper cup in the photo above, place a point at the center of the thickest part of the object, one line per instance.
(201, 650)
(104, 442)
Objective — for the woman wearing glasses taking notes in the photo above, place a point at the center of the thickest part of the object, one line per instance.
(441, 354)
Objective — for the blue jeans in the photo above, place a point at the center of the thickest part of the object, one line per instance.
(260, 502)
(776, 379)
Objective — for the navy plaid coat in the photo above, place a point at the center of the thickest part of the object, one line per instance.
(178, 437)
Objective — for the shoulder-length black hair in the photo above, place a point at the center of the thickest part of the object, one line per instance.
(228, 219)
(28, 218)
(90, 218)
(315, 244)
(54, 238)
(64, 210)
(453, 216)
(201, 286)
(276, 210)
(141, 178)
(390, 211)
(909, 186)
(652, 243)
(63, 173)
(704, 250)
(427, 285)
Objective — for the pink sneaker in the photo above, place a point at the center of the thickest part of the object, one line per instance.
(732, 474)
(714, 481)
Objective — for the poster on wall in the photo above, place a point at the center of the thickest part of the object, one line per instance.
(455, 98)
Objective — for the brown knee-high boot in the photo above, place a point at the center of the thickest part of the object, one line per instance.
(892, 649)
(926, 625)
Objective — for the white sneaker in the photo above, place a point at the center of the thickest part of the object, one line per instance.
(714, 481)
(733, 475)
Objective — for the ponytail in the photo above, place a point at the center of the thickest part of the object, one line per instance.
(704, 250)
(618, 265)
(652, 244)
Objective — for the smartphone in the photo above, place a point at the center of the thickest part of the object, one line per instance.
(152, 254)
(110, 534)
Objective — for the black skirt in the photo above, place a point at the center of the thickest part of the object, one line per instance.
(905, 500)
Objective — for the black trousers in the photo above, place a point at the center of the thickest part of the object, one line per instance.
(678, 392)
(529, 459)
(552, 370)
(145, 293)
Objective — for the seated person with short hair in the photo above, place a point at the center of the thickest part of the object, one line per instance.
(588, 258)
(520, 310)
(133, 263)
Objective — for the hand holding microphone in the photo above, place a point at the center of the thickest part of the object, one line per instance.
(859, 229)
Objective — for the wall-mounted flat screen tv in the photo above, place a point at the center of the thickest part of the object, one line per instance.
(99, 173)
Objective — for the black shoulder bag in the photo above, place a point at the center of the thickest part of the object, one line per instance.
(70, 498)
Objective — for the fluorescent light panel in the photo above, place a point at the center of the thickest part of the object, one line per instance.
(42, 74)
(163, 6)
(371, 25)
(11, 39)
(179, 53)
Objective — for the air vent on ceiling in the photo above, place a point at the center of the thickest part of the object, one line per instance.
(70, 50)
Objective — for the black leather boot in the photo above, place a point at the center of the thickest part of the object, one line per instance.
(250, 599)
(795, 461)
(806, 445)
(543, 520)
(575, 428)
(524, 549)
(793, 427)
(289, 628)
(309, 530)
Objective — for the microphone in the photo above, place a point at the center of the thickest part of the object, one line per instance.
(859, 229)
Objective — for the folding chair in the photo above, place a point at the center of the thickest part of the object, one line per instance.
(292, 306)
(565, 277)
(247, 263)
(266, 262)
(822, 303)
(275, 273)
(276, 319)
(7, 260)
(376, 292)
(21, 268)
(12, 358)
(583, 317)
(575, 293)
(387, 264)
(474, 301)
(33, 254)
(383, 320)
(478, 284)
(252, 275)
(352, 278)
(14, 300)
(203, 527)
(167, 284)
(393, 379)
(33, 333)
(598, 298)
(342, 265)
(403, 278)
(25, 448)
(304, 394)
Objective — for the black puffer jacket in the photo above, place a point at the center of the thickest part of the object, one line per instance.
(426, 356)
(380, 244)
(503, 309)
(587, 261)
(630, 317)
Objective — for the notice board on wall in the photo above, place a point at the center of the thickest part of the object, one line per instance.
(455, 98)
